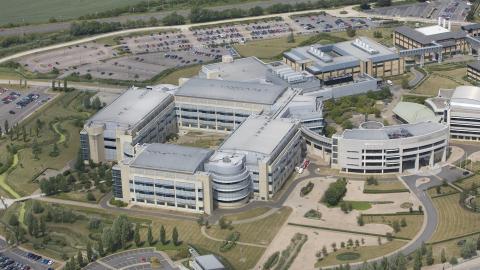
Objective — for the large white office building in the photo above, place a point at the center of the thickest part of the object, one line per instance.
(135, 117)
(374, 148)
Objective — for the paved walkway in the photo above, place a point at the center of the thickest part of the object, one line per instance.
(418, 77)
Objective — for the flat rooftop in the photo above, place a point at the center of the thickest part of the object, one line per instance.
(248, 69)
(209, 262)
(171, 158)
(249, 92)
(259, 134)
(130, 108)
(442, 37)
(341, 55)
(393, 132)
(466, 96)
(414, 113)
(432, 30)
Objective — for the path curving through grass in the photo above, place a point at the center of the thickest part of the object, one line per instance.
(57, 130)
(3, 179)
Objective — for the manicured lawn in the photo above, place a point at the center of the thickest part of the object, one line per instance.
(80, 196)
(467, 182)
(366, 252)
(201, 139)
(454, 221)
(268, 49)
(452, 248)
(187, 72)
(360, 206)
(384, 186)
(414, 223)
(258, 232)
(248, 214)
(431, 85)
(432, 192)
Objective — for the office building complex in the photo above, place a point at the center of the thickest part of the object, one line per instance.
(340, 61)
(473, 71)
(374, 148)
(137, 116)
(464, 113)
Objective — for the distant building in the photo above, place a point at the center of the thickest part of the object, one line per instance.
(440, 35)
(135, 117)
(206, 262)
(473, 71)
(472, 29)
(342, 60)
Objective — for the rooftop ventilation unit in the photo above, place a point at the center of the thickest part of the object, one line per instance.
(319, 54)
(364, 46)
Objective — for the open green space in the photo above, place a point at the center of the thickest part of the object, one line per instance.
(441, 191)
(58, 122)
(65, 238)
(413, 223)
(255, 212)
(19, 11)
(444, 75)
(453, 220)
(199, 139)
(434, 82)
(365, 252)
(259, 232)
(348, 256)
(268, 49)
(385, 186)
(467, 183)
(359, 205)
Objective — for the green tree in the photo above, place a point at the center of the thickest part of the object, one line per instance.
(396, 226)
(453, 260)
(173, 19)
(417, 261)
(89, 252)
(429, 256)
(163, 237)
(291, 38)
(175, 236)
(360, 220)
(149, 236)
(403, 222)
(136, 235)
(100, 249)
(351, 32)
(443, 257)
(80, 259)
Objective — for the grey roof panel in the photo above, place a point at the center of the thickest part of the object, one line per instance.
(172, 158)
(130, 108)
(250, 92)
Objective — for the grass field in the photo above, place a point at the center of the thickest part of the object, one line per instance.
(258, 232)
(432, 192)
(431, 85)
(454, 221)
(385, 186)
(59, 127)
(359, 205)
(467, 182)
(80, 196)
(187, 72)
(268, 49)
(366, 252)
(18, 11)
(247, 214)
(67, 238)
(451, 247)
(414, 223)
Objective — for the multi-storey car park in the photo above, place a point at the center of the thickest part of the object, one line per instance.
(273, 115)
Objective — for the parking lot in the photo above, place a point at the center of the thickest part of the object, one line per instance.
(155, 42)
(132, 259)
(454, 9)
(18, 259)
(16, 104)
(145, 66)
(327, 23)
(66, 58)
